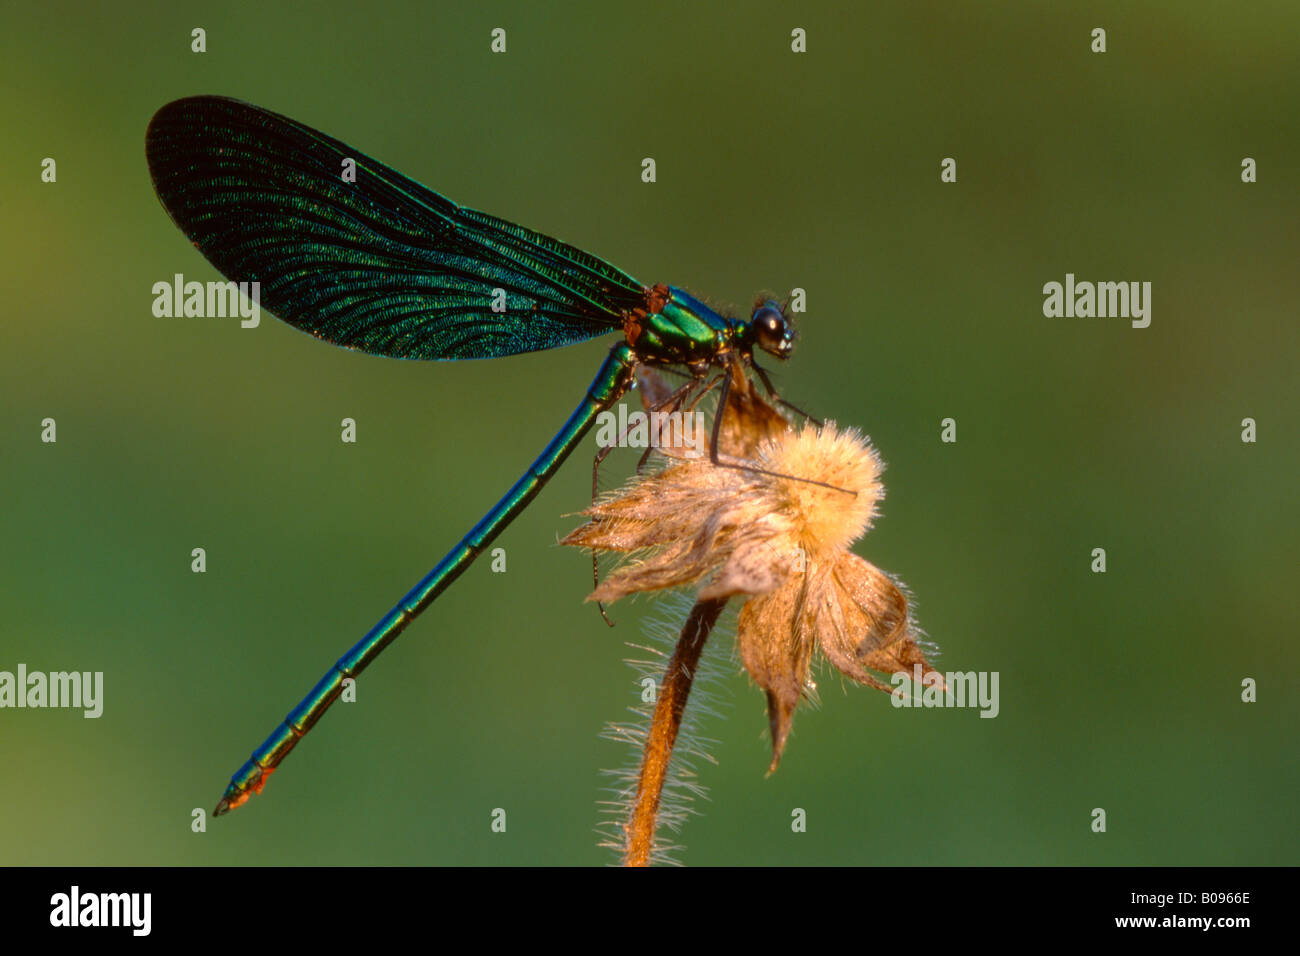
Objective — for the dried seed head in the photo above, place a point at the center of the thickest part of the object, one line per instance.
(778, 536)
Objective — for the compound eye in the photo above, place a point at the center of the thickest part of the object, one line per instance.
(770, 329)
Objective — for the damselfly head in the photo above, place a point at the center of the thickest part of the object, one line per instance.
(772, 329)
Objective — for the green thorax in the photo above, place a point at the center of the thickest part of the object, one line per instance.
(684, 331)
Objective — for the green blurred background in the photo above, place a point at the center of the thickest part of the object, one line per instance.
(775, 170)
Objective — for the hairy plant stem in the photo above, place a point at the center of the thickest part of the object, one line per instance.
(667, 721)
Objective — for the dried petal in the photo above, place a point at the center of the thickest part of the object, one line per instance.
(675, 432)
(750, 421)
(675, 565)
(863, 622)
(776, 646)
(656, 509)
(762, 556)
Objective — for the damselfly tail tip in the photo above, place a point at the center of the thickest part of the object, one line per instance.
(236, 795)
(250, 779)
(231, 799)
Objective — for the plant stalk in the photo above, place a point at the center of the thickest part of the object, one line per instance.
(667, 721)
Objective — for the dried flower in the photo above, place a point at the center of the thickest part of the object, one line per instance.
(779, 538)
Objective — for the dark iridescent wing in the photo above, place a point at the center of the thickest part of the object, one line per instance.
(383, 265)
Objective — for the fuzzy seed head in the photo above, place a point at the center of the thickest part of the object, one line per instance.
(777, 537)
(824, 518)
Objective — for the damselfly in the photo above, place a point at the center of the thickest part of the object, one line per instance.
(361, 256)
